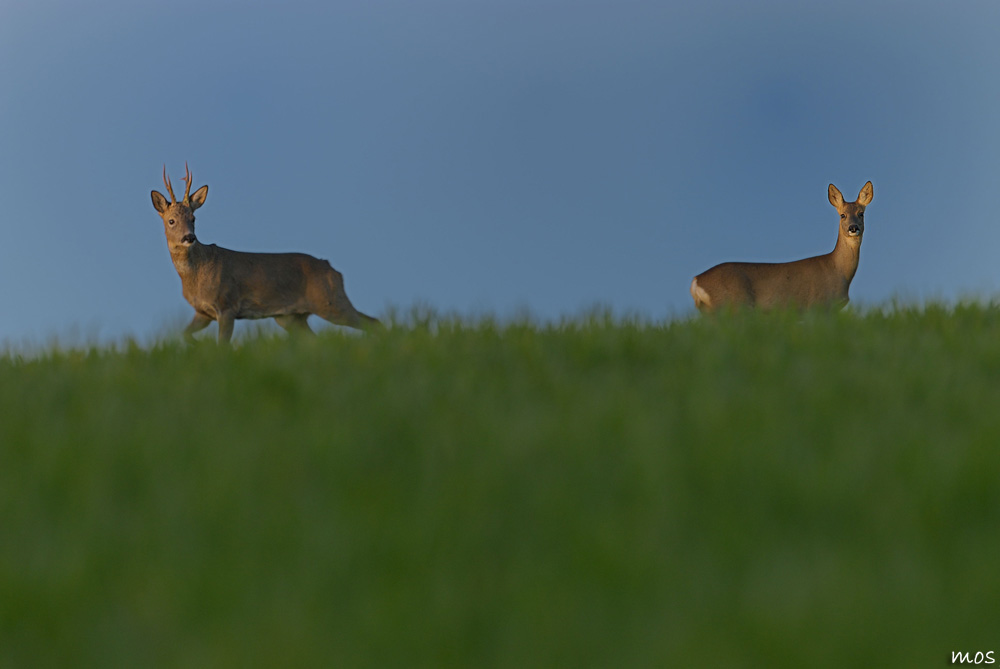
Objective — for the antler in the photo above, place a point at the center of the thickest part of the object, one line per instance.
(188, 177)
(166, 182)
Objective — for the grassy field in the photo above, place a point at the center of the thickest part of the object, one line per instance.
(749, 490)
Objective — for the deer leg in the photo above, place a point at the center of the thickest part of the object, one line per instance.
(199, 322)
(335, 307)
(293, 323)
(339, 311)
(226, 322)
(346, 314)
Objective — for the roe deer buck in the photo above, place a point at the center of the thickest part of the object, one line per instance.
(224, 285)
(818, 281)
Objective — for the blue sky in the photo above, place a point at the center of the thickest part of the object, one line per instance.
(491, 155)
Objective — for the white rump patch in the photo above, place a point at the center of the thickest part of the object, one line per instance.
(701, 298)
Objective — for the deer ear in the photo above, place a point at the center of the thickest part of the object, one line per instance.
(866, 194)
(836, 199)
(159, 202)
(198, 198)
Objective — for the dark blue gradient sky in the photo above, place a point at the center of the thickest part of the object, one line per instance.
(491, 155)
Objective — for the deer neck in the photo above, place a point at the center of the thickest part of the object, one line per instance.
(188, 259)
(845, 256)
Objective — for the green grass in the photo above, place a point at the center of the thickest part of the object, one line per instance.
(748, 490)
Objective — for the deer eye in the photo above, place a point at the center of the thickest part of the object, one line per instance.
(170, 222)
(842, 216)
(861, 215)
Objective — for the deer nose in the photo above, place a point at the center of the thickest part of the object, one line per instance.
(853, 229)
(189, 238)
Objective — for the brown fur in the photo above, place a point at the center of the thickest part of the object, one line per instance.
(819, 281)
(224, 285)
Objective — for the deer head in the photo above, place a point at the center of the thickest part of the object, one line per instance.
(178, 217)
(852, 214)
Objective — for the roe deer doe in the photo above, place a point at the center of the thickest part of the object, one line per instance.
(818, 281)
(224, 285)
